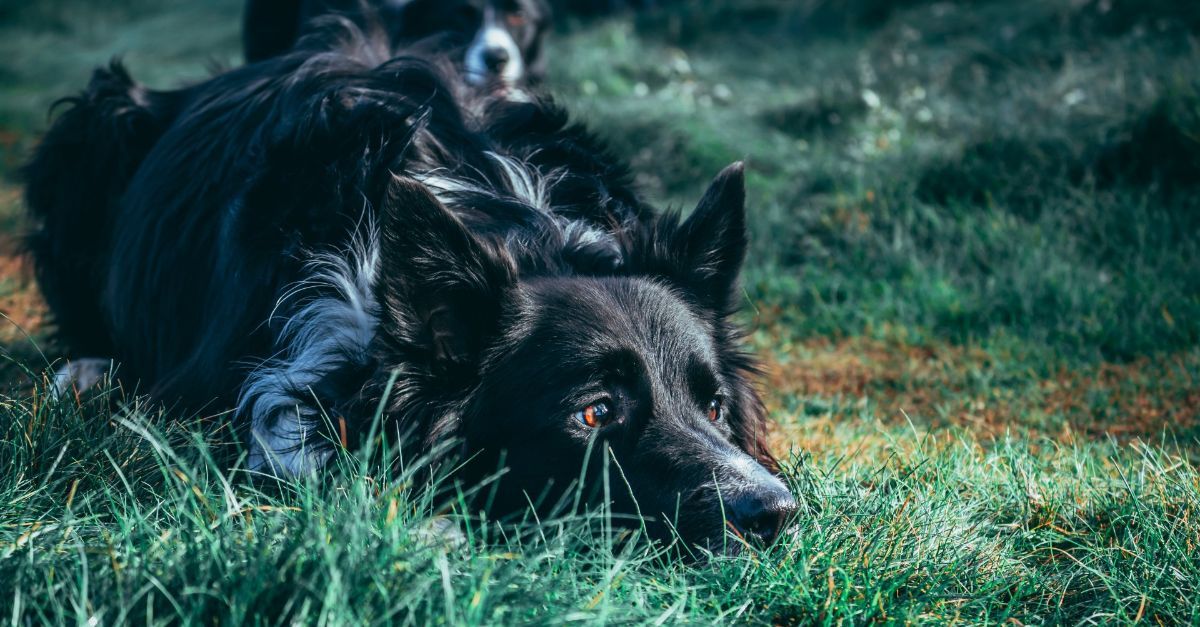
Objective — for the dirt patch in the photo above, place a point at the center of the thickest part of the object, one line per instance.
(945, 386)
(20, 302)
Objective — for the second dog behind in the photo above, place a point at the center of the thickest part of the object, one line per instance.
(497, 44)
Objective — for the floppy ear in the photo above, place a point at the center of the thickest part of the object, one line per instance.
(440, 287)
(705, 253)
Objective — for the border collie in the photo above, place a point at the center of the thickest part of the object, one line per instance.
(498, 41)
(310, 238)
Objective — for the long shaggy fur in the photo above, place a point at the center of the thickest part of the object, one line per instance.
(80, 170)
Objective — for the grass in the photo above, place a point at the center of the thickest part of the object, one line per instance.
(975, 285)
(113, 524)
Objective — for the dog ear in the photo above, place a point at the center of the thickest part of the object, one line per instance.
(440, 287)
(706, 252)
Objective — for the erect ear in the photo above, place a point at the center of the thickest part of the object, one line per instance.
(440, 287)
(708, 249)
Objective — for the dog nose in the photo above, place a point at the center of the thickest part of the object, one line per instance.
(761, 514)
(495, 58)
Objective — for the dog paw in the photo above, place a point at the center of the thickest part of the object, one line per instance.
(80, 375)
(440, 531)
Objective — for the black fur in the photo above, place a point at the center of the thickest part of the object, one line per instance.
(81, 169)
(312, 234)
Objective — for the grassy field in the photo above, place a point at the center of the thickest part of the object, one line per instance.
(975, 283)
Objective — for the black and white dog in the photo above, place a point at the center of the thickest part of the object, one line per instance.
(498, 42)
(307, 238)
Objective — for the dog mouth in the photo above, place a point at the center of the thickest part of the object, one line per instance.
(491, 83)
(498, 88)
(710, 528)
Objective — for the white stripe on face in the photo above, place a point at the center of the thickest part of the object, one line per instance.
(493, 36)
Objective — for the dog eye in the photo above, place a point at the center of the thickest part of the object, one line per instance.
(515, 20)
(594, 415)
(716, 408)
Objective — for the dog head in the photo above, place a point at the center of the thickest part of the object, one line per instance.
(500, 40)
(632, 382)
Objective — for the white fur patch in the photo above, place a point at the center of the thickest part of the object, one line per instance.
(328, 332)
(81, 374)
(582, 235)
(524, 182)
(527, 184)
(445, 187)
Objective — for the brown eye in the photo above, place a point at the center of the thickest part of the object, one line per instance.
(594, 415)
(716, 408)
(515, 20)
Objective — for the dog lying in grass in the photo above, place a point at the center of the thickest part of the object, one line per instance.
(333, 231)
(498, 42)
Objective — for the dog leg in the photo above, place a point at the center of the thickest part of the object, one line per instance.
(80, 375)
(287, 449)
(441, 531)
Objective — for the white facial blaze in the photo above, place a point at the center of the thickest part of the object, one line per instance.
(493, 36)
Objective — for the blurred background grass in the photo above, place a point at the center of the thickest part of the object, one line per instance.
(975, 283)
(958, 169)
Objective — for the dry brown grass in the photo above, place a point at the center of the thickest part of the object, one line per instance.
(938, 386)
